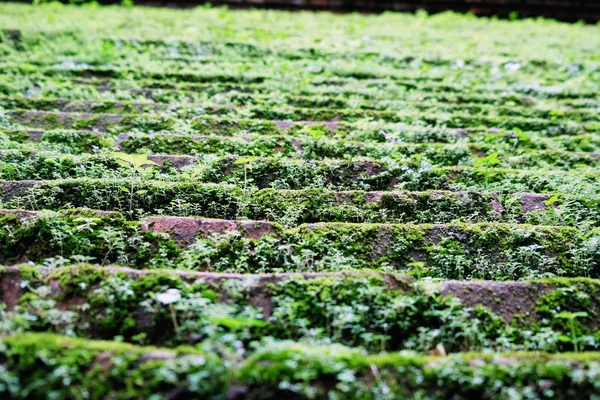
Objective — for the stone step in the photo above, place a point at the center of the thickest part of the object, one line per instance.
(450, 251)
(293, 207)
(103, 368)
(266, 303)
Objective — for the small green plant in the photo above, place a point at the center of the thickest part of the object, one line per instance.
(136, 162)
(552, 200)
(571, 317)
(487, 162)
(417, 268)
(246, 162)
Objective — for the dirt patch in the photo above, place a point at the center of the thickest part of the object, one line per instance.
(20, 213)
(343, 197)
(123, 137)
(495, 204)
(532, 201)
(283, 124)
(373, 197)
(15, 188)
(504, 298)
(381, 245)
(35, 135)
(182, 229)
(103, 360)
(438, 232)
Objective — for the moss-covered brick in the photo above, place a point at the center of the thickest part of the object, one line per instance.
(45, 365)
(88, 121)
(290, 207)
(459, 251)
(374, 310)
(34, 361)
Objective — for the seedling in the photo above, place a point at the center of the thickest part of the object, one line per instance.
(571, 317)
(487, 162)
(418, 267)
(245, 161)
(551, 200)
(136, 162)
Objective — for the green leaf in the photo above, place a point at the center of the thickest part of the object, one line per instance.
(581, 314)
(551, 200)
(123, 156)
(124, 188)
(488, 161)
(571, 315)
(564, 338)
(493, 136)
(237, 323)
(142, 159)
(123, 163)
(244, 160)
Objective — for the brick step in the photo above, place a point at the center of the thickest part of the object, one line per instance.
(367, 133)
(162, 91)
(450, 251)
(293, 207)
(414, 81)
(51, 119)
(266, 303)
(103, 368)
(247, 102)
(297, 174)
(437, 154)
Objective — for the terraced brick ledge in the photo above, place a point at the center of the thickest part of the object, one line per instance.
(261, 374)
(508, 305)
(460, 251)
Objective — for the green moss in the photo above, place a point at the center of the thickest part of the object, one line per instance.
(95, 368)
(451, 251)
(105, 238)
(86, 123)
(48, 365)
(374, 311)
(52, 121)
(317, 147)
(331, 371)
(338, 107)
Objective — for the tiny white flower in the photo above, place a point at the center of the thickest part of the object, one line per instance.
(512, 66)
(168, 297)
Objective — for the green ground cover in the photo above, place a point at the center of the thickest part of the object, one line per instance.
(302, 205)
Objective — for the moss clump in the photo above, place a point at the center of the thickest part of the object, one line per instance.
(43, 365)
(326, 372)
(105, 238)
